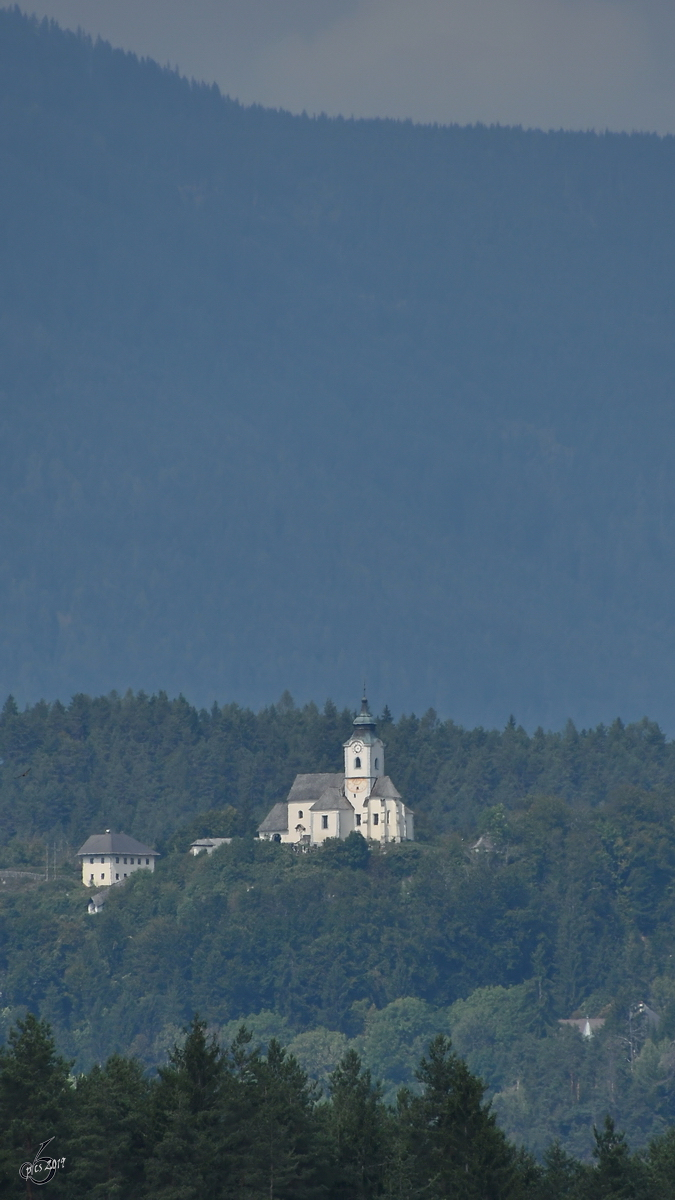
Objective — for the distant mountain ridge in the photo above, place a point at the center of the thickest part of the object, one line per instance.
(286, 401)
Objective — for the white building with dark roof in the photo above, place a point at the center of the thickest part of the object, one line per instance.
(109, 858)
(360, 798)
(207, 845)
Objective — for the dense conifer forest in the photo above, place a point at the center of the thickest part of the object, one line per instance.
(570, 912)
(232, 1122)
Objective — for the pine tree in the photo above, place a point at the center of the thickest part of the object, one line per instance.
(453, 1136)
(36, 1103)
(110, 1132)
(188, 1157)
(360, 1129)
(289, 1156)
(562, 1176)
(661, 1166)
(617, 1174)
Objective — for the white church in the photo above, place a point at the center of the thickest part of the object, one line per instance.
(361, 799)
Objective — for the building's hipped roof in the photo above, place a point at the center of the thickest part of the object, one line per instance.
(99, 898)
(484, 843)
(115, 843)
(309, 787)
(276, 821)
(384, 789)
(333, 798)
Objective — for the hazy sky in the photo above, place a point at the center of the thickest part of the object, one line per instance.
(573, 63)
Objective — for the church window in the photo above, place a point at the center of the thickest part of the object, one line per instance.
(324, 822)
(102, 875)
(357, 764)
(376, 818)
(300, 813)
(388, 815)
(377, 764)
(358, 818)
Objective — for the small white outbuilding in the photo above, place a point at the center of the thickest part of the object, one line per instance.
(207, 845)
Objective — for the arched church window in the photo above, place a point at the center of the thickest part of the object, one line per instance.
(377, 763)
(357, 763)
(300, 812)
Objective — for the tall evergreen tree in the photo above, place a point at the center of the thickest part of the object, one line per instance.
(290, 1158)
(661, 1166)
(360, 1129)
(36, 1104)
(618, 1174)
(561, 1177)
(110, 1136)
(188, 1156)
(453, 1136)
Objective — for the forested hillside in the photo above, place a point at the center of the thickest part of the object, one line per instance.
(570, 911)
(149, 765)
(284, 401)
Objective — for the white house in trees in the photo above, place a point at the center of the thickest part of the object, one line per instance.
(109, 858)
(360, 798)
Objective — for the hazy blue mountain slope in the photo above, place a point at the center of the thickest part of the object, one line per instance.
(285, 401)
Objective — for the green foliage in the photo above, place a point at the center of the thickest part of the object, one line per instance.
(36, 1100)
(352, 852)
(452, 1135)
(217, 822)
(350, 946)
(318, 1052)
(617, 1174)
(233, 1123)
(562, 1177)
(286, 1143)
(395, 1037)
(188, 1157)
(361, 1130)
(110, 1132)
(661, 1166)
(161, 770)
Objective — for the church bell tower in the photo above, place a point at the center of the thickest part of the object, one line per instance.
(364, 758)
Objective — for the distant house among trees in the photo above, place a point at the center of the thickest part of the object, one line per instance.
(207, 845)
(109, 858)
(361, 799)
(97, 901)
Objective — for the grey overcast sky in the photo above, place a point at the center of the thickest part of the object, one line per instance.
(575, 64)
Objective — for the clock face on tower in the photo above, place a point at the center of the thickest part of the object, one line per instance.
(357, 747)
